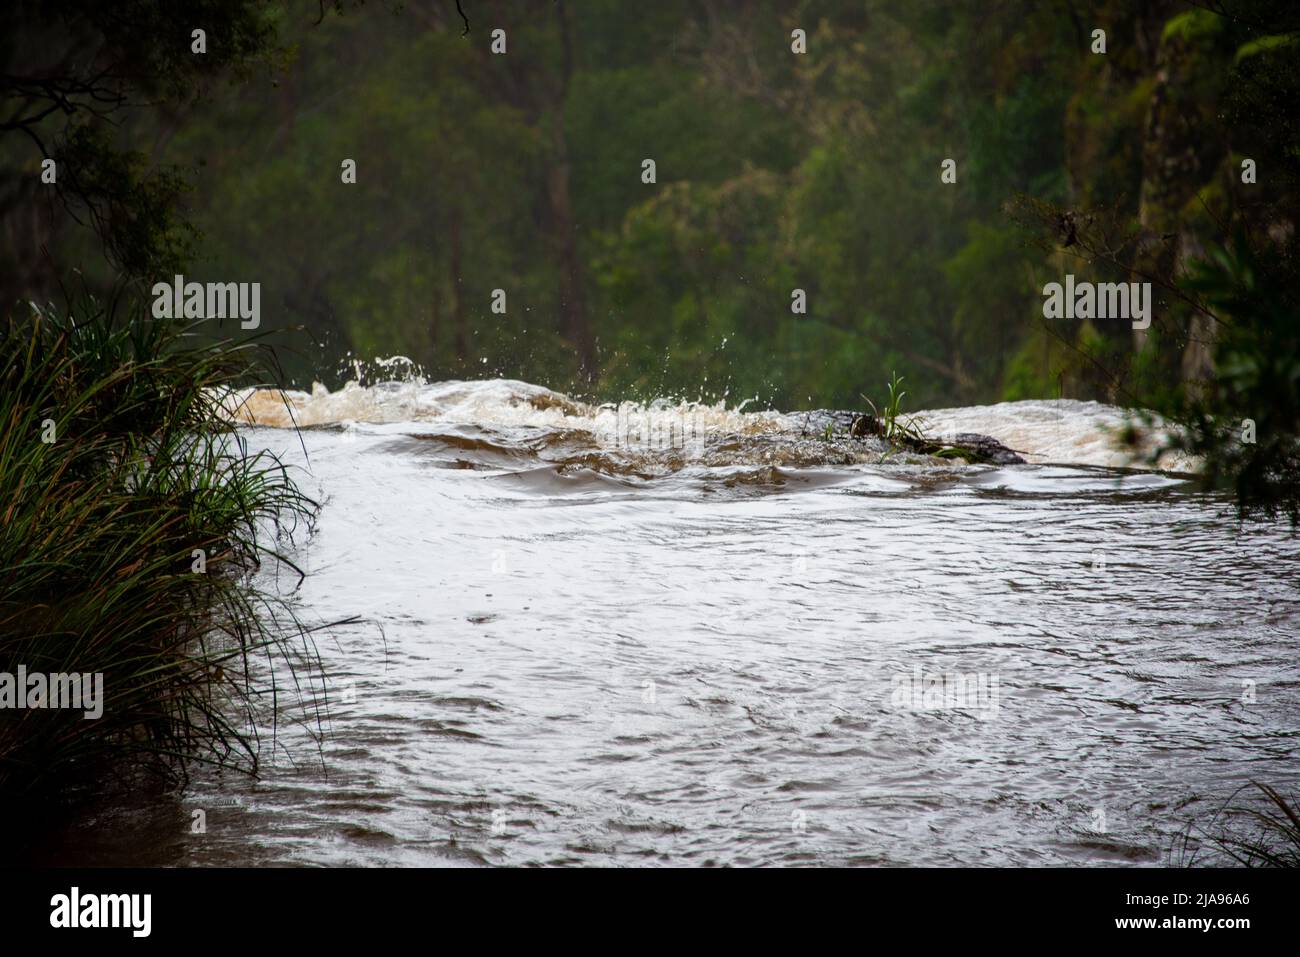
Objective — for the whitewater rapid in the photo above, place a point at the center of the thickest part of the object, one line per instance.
(1060, 431)
(549, 632)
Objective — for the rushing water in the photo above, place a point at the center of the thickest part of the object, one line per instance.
(678, 635)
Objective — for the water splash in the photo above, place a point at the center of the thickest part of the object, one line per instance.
(1061, 431)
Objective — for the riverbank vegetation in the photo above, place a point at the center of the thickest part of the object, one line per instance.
(1258, 827)
(131, 517)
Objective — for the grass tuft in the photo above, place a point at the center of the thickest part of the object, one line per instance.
(1263, 832)
(99, 534)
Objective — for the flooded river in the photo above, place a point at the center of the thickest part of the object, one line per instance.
(686, 635)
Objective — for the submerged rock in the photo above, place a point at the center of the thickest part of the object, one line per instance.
(970, 446)
(982, 448)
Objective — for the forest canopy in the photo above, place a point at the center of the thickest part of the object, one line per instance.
(795, 145)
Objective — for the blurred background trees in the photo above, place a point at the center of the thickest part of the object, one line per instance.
(775, 171)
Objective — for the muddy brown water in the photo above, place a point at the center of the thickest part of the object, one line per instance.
(576, 649)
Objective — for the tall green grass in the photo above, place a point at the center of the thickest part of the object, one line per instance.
(1261, 830)
(98, 534)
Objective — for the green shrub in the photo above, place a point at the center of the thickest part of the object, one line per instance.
(99, 530)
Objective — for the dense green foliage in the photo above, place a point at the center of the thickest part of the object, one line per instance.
(1243, 422)
(74, 69)
(117, 471)
(776, 171)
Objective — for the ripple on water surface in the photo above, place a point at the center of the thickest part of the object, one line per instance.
(576, 651)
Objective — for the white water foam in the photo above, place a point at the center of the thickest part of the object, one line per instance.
(1060, 431)
(1064, 432)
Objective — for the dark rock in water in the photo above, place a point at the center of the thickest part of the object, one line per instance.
(970, 446)
(984, 448)
(814, 423)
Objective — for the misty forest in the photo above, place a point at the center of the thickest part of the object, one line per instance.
(723, 388)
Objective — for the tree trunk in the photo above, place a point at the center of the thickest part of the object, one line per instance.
(1180, 151)
(573, 303)
(435, 310)
(457, 306)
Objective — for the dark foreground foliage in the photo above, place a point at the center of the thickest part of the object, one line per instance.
(1258, 827)
(1244, 421)
(119, 471)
